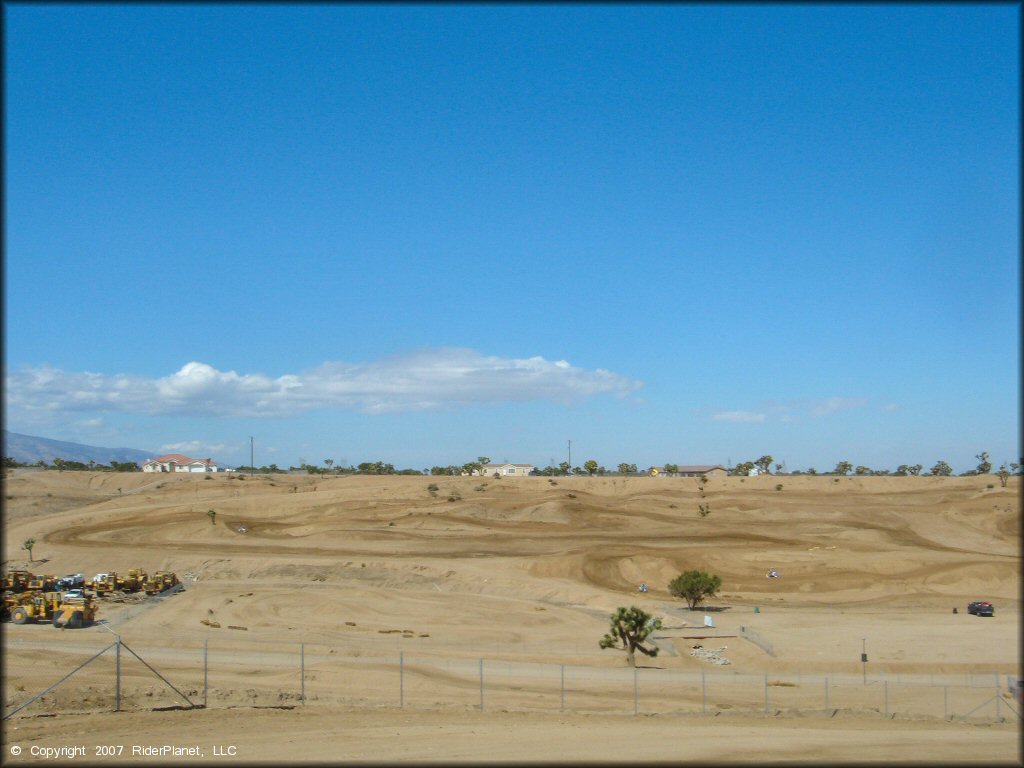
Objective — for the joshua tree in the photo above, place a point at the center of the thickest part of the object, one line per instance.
(1004, 475)
(694, 586)
(631, 626)
(984, 465)
(29, 543)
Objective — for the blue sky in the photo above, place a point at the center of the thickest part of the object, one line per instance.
(425, 233)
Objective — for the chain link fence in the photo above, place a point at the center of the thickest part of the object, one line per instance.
(235, 671)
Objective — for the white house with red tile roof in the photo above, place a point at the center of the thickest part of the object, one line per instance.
(507, 470)
(177, 462)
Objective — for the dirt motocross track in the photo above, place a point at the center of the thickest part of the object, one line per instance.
(516, 577)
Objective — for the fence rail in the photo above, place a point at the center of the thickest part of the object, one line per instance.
(263, 673)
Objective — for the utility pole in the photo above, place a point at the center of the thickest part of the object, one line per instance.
(252, 464)
(570, 455)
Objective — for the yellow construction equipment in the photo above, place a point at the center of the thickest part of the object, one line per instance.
(16, 581)
(45, 583)
(63, 611)
(158, 582)
(133, 581)
(12, 601)
(74, 612)
(104, 582)
(36, 606)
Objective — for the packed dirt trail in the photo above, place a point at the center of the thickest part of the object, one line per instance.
(481, 593)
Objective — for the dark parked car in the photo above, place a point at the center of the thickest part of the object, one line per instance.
(981, 608)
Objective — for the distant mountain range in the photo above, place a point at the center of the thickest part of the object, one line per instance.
(27, 449)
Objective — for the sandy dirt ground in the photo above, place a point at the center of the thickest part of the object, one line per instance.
(457, 619)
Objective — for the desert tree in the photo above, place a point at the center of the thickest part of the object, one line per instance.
(764, 465)
(625, 469)
(671, 469)
(862, 470)
(591, 466)
(329, 463)
(941, 469)
(984, 465)
(743, 468)
(842, 468)
(694, 586)
(564, 467)
(1004, 475)
(631, 627)
(29, 543)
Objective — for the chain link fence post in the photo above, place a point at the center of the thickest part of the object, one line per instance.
(206, 677)
(703, 694)
(563, 688)
(117, 690)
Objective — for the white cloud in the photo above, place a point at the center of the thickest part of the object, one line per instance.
(833, 404)
(792, 410)
(428, 379)
(191, 447)
(739, 416)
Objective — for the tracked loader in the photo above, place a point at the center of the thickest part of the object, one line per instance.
(133, 581)
(104, 583)
(159, 582)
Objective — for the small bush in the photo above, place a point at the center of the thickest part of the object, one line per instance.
(571, 495)
(454, 497)
(778, 486)
(990, 485)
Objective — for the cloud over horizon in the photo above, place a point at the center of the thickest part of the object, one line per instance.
(423, 380)
(792, 410)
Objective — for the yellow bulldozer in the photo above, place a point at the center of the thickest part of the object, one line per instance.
(103, 583)
(158, 582)
(133, 581)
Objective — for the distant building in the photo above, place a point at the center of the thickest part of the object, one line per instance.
(507, 470)
(696, 470)
(176, 462)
